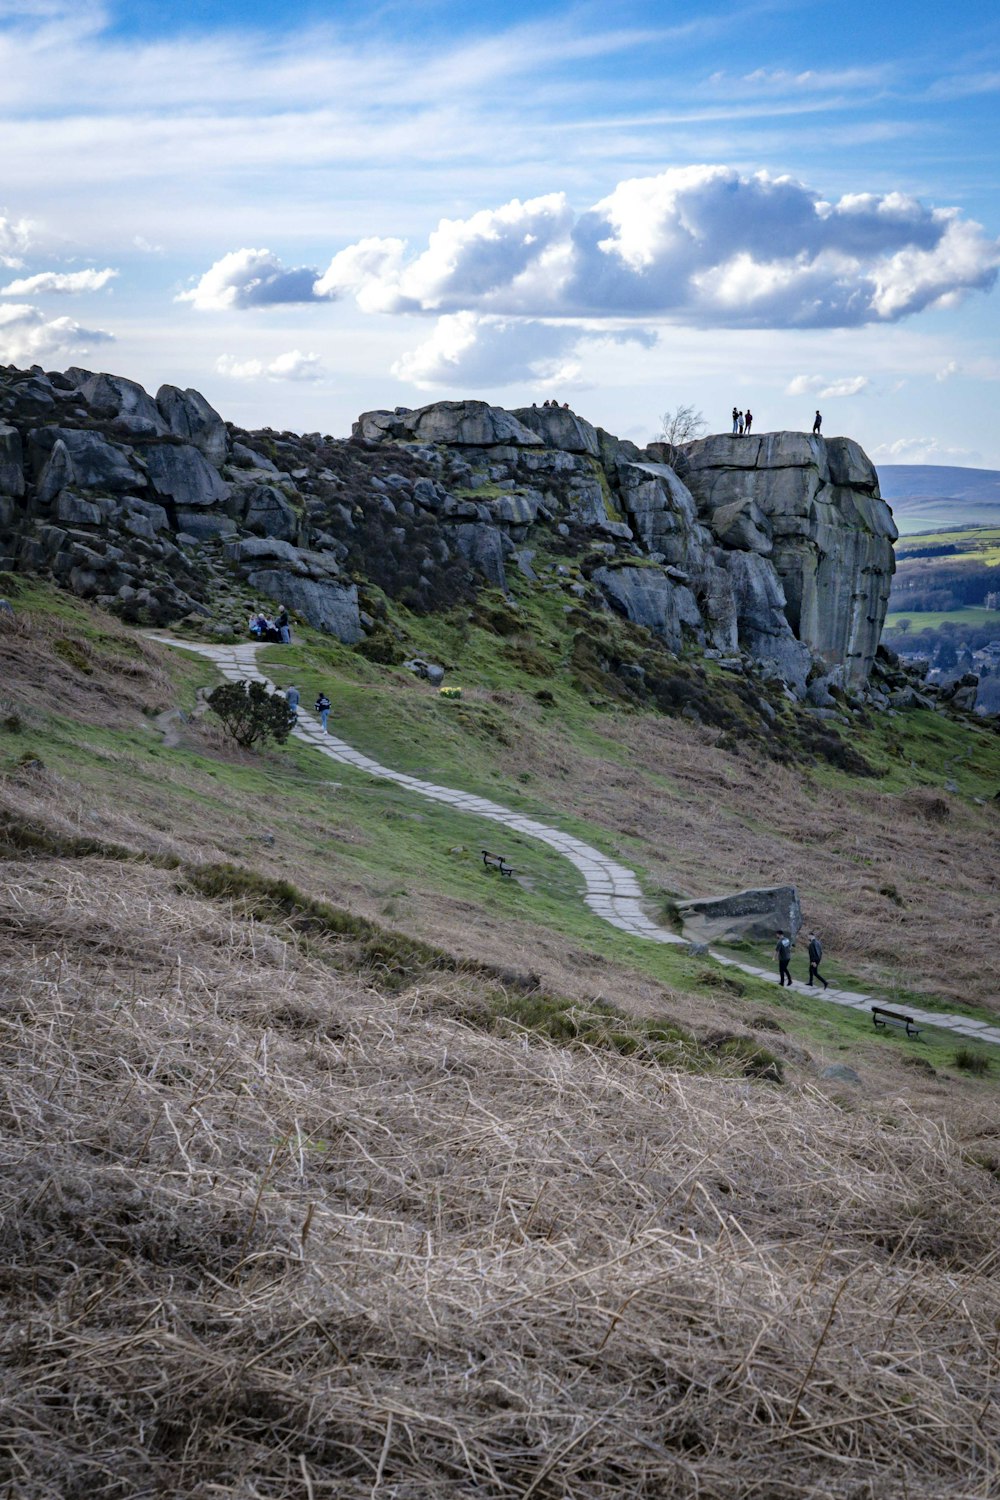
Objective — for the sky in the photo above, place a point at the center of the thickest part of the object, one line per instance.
(309, 210)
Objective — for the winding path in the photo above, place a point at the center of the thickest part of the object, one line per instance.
(612, 890)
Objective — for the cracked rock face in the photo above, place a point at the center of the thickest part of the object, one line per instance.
(774, 547)
(831, 534)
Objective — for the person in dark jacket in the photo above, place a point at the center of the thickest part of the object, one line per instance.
(747, 420)
(815, 959)
(817, 424)
(283, 627)
(783, 948)
(323, 709)
(736, 421)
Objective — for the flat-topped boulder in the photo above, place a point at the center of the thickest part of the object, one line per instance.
(760, 913)
(558, 427)
(460, 424)
(816, 501)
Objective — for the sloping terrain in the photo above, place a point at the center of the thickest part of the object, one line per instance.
(334, 1167)
(931, 497)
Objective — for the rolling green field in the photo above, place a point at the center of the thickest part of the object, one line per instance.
(978, 543)
(974, 615)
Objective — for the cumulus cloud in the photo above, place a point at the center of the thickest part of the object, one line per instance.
(26, 335)
(15, 240)
(64, 282)
(825, 388)
(474, 351)
(250, 278)
(291, 366)
(705, 245)
(923, 450)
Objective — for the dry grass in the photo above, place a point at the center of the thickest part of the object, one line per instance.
(268, 1233)
(903, 887)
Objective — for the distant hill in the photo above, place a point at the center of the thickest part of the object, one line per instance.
(925, 497)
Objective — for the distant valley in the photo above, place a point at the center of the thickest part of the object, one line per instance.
(929, 497)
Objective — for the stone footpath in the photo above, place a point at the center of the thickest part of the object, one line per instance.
(612, 891)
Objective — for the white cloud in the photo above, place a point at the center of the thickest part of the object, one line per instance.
(26, 335)
(922, 450)
(291, 366)
(825, 388)
(250, 278)
(708, 246)
(15, 240)
(473, 351)
(58, 281)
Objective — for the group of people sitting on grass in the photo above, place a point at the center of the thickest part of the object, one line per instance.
(263, 628)
(783, 948)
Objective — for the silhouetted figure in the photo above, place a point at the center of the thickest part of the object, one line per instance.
(783, 948)
(817, 425)
(747, 420)
(815, 959)
(736, 421)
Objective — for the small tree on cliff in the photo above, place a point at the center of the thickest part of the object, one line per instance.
(251, 714)
(682, 425)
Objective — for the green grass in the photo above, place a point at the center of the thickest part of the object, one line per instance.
(976, 544)
(971, 615)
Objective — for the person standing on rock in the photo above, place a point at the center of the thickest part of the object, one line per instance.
(323, 709)
(747, 420)
(283, 626)
(783, 948)
(739, 423)
(815, 959)
(736, 421)
(817, 424)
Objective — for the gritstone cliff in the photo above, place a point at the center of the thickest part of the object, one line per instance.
(775, 547)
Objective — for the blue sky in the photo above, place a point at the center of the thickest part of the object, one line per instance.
(308, 210)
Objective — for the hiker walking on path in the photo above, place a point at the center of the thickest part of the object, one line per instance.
(322, 707)
(783, 948)
(817, 424)
(815, 959)
(747, 420)
(736, 420)
(293, 696)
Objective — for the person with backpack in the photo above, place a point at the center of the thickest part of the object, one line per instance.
(815, 959)
(323, 709)
(783, 948)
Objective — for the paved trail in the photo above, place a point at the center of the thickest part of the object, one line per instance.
(612, 891)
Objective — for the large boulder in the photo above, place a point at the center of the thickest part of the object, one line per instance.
(762, 627)
(662, 513)
(647, 596)
(189, 416)
(11, 462)
(831, 532)
(332, 607)
(757, 913)
(180, 473)
(267, 512)
(463, 424)
(67, 456)
(484, 548)
(125, 402)
(560, 428)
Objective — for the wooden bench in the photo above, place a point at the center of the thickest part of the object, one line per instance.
(496, 862)
(883, 1017)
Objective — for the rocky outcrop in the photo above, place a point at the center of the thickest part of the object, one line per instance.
(812, 506)
(772, 552)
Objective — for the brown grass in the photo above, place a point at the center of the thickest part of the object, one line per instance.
(270, 1233)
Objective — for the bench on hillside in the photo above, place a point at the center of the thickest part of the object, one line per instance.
(883, 1017)
(496, 862)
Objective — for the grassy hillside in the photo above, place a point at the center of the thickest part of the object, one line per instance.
(335, 1166)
